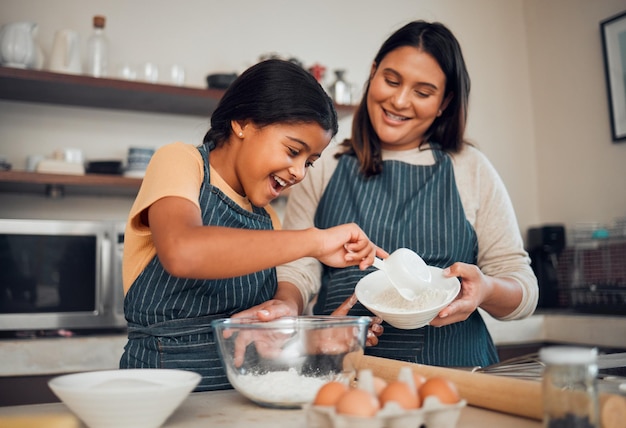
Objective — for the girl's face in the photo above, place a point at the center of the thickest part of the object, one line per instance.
(275, 157)
(406, 94)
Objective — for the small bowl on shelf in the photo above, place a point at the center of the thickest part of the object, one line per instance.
(282, 363)
(111, 167)
(220, 80)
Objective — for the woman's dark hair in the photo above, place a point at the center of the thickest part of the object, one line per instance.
(269, 92)
(448, 129)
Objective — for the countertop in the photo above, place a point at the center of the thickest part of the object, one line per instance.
(560, 326)
(46, 356)
(230, 409)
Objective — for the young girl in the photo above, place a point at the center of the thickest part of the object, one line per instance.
(199, 242)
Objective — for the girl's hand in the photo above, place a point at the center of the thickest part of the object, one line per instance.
(269, 310)
(473, 290)
(267, 344)
(346, 245)
(375, 328)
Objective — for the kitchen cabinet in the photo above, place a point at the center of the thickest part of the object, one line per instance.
(85, 91)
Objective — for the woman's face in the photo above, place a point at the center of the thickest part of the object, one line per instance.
(275, 157)
(406, 94)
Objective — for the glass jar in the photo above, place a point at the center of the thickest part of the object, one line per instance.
(341, 90)
(570, 397)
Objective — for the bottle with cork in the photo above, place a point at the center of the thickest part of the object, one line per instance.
(97, 49)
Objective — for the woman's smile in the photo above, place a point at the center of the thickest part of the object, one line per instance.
(394, 117)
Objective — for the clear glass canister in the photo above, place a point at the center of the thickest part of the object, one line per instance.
(570, 395)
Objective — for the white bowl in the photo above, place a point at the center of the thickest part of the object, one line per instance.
(138, 398)
(400, 313)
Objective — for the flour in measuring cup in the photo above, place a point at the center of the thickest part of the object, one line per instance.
(390, 300)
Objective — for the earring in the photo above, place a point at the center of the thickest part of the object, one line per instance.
(241, 135)
(439, 112)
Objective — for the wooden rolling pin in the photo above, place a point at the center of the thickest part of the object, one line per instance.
(503, 394)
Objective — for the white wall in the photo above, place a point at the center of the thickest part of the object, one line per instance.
(518, 117)
(580, 171)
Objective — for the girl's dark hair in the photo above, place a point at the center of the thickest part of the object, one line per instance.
(448, 129)
(269, 92)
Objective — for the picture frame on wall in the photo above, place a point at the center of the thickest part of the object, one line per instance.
(613, 32)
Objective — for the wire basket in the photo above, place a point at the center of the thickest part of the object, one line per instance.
(598, 276)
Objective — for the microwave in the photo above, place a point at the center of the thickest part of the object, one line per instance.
(58, 275)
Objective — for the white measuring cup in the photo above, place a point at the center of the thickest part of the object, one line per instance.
(407, 272)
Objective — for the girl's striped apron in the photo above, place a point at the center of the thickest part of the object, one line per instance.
(169, 318)
(416, 207)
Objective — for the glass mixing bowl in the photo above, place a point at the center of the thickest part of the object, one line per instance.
(282, 363)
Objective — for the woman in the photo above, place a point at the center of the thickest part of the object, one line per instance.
(409, 179)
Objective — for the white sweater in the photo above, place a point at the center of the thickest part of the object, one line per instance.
(487, 207)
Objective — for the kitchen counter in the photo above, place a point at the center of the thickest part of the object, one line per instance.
(54, 355)
(230, 409)
(46, 356)
(28, 364)
(560, 326)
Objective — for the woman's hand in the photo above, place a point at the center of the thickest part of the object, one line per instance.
(375, 328)
(498, 296)
(468, 299)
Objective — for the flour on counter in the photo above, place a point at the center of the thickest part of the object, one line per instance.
(284, 387)
(390, 300)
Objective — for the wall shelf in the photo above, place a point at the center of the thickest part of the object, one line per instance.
(76, 90)
(60, 184)
(84, 91)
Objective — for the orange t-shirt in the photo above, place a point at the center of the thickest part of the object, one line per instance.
(175, 169)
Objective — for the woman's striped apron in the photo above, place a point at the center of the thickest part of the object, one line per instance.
(416, 207)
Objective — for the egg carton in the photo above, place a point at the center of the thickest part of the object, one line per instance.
(432, 414)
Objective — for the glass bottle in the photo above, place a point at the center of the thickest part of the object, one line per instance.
(570, 396)
(97, 49)
(340, 90)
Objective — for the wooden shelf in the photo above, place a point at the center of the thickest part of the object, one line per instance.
(84, 91)
(76, 90)
(61, 184)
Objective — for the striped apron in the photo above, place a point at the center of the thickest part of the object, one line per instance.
(416, 207)
(169, 318)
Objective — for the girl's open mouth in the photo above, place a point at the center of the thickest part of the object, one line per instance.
(278, 183)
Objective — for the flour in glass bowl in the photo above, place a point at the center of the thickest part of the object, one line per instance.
(390, 300)
(280, 388)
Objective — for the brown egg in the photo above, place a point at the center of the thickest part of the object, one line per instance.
(401, 393)
(329, 393)
(441, 388)
(357, 402)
